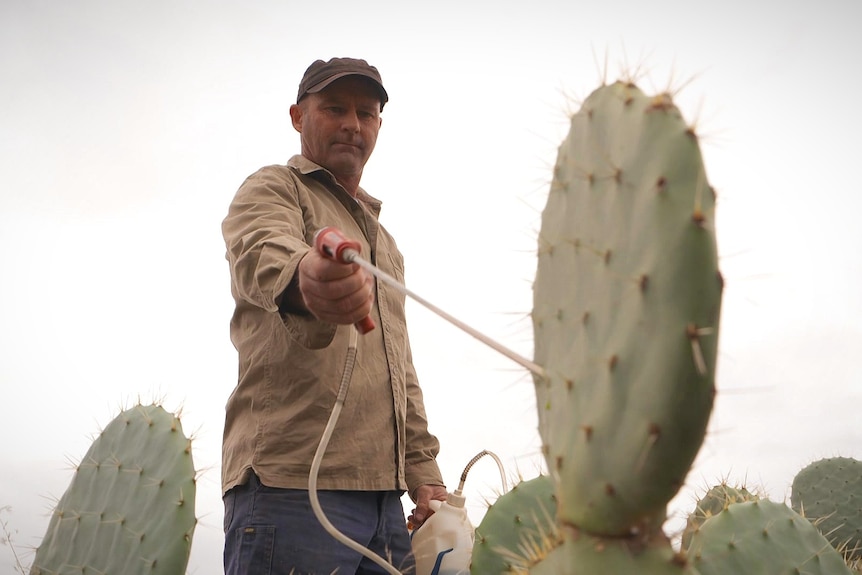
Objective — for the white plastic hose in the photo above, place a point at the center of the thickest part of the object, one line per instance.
(318, 458)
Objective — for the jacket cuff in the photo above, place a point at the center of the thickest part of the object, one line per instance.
(304, 328)
(425, 473)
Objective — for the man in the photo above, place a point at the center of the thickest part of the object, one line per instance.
(291, 327)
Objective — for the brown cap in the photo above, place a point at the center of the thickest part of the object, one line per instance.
(321, 74)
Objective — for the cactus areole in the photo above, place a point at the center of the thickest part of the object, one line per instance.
(626, 308)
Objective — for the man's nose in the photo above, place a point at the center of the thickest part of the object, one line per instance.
(350, 121)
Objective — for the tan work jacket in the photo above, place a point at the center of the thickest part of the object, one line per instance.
(290, 366)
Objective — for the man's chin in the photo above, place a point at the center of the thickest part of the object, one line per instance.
(353, 157)
(344, 166)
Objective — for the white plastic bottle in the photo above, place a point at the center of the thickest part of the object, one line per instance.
(443, 545)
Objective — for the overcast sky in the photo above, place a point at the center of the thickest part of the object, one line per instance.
(126, 128)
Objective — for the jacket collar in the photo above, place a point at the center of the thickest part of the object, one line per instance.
(308, 168)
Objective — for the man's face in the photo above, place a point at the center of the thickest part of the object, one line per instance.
(338, 126)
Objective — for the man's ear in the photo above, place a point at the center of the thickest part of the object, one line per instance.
(296, 117)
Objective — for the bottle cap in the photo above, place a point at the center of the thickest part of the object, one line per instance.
(456, 500)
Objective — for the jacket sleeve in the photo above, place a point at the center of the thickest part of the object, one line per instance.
(422, 447)
(265, 236)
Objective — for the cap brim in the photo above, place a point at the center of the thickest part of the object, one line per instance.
(321, 85)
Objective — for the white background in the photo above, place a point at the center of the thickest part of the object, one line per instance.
(126, 128)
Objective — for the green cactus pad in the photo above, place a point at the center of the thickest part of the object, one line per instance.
(713, 502)
(130, 508)
(520, 525)
(626, 308)
(762, 537)
(829, 493)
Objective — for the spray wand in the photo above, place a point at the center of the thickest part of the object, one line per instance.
(330, 242)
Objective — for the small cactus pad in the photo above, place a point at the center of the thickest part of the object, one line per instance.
(762, 537)
(626, 308)
(829, 493)
(714, 501)
(518, 526)
(130, 508)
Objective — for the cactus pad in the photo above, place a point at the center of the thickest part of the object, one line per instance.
(626, 308)
(829, 493)
(520, 525)
(713, 502)
(130, 508)
(762, 537)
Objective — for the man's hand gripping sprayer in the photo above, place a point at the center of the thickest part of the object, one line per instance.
(331, 243)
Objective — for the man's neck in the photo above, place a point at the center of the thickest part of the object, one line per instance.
(349, 183)
(351, 186)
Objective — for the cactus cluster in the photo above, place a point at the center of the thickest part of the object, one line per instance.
(627, 300)
(130, 507)
(730, 530)
(734, 531)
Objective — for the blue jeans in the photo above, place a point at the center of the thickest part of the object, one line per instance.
(271, 531)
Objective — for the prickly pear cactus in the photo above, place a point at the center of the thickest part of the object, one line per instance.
(829, 493)
(130, 508)
(627, 299)
(626, 308)
(713, 502)
(762, 537)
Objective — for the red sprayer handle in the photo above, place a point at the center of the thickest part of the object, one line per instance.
(332, 244)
